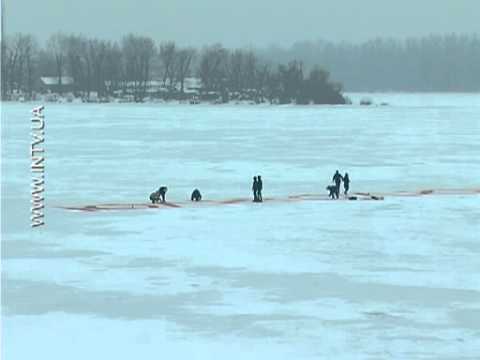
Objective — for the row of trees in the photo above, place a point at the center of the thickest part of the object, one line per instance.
(240, 73)
(92, 63)
(19, 63)
(432, 63)
(108, 67)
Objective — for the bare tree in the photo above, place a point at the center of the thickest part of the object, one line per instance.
(56, 44)
(19, 63)
(30, 55)
(146, 56)
(241, 70)
(113, 66)
(212, 68)
(3, 61)
(184, 62)
(97, 51)
(138, 53)
(250, 67)
(168, 56)
(235, 70)
(76, 64)
(262, 77)
(14, 62)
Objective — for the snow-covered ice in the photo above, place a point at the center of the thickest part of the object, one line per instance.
(393, 279)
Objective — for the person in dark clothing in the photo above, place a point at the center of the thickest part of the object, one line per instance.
(332, 189)
(154, 197)
(346, 183)
(255, 189)
(259, 188)
(161, 192)
(196, 196)
(337, 179)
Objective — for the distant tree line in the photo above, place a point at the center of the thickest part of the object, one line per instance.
(432, 63)
(294, 75)
(109, 67)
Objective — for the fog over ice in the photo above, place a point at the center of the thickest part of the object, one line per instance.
(247, 22)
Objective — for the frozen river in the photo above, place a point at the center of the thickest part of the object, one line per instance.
(392, 279)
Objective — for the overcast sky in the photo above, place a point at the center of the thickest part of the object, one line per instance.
(245, 22)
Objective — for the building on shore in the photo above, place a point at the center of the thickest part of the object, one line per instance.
(54, 84)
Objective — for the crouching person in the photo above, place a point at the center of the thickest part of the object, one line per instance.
(154, 197)
(333, 191)
(158, 195)
(196, 195)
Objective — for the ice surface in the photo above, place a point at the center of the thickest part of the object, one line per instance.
(397, 279)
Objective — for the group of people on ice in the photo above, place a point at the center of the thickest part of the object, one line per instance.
(159, 195)
(257, 187)
(334, 190)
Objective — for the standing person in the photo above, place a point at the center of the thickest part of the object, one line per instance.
(346, 183)
(337, 179)
(259, 188)
(255, 189)
(162, 191)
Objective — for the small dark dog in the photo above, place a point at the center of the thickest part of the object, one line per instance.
(333, 191)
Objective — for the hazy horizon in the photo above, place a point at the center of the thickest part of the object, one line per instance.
(251, 23)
